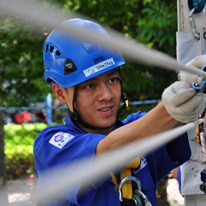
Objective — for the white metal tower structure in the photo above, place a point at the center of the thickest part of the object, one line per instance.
(191, 42)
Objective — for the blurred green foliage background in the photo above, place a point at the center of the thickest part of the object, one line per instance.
(153, 23)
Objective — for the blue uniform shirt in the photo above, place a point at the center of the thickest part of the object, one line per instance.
(61, 144)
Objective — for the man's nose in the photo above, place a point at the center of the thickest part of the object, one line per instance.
(104, 93)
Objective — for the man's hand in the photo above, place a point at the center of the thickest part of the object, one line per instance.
(190, 78)
(183, 103)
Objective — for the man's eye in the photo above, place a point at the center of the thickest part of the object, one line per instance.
(113, 80)
(89, 86)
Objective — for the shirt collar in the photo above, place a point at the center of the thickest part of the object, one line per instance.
(72, 125)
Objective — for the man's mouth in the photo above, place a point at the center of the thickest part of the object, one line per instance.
(105, 109)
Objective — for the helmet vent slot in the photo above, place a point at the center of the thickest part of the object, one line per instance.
(51, 49)
(58, 53)
(46, 50)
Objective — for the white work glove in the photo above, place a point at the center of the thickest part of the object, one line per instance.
(183, 103)
(198, 62)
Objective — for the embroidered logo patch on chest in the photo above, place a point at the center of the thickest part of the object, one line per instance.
(60, 139)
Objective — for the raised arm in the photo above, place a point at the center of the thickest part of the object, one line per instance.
(156, 121)
(180, 104)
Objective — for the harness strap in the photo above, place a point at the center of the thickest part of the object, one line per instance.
(127, 192)
(114, 179)
(199, 128)
(198, 133)
(126, 171)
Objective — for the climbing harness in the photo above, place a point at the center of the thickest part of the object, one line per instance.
(203, 172)
(124, 189)
(201, 139)
(203, 144)
(195, 7)
(126, 171)
(200, 134)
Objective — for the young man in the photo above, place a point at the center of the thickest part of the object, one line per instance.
(86, 78)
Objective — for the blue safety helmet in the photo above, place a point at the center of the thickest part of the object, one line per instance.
(69, 60)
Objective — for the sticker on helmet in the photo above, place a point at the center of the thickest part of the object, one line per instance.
(60, 139)
(99, 59)
(98, 67)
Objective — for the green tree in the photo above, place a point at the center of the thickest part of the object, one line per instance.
(151, 22)
(21, 69)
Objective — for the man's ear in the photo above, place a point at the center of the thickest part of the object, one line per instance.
(59, 93)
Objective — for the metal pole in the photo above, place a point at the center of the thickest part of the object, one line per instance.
(3, 175)
(191, 42)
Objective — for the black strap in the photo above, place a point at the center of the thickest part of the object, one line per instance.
(127, 202)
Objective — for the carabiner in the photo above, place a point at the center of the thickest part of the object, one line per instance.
(128, 178)
(193, 25)
(200, 88)
(139, 197)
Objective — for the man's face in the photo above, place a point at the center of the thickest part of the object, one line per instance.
(98, 99)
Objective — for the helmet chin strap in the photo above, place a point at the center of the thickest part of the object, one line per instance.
(75, 116)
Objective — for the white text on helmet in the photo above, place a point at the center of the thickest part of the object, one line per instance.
(102, 65)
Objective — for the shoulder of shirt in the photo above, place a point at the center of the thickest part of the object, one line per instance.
(134, 116)
(48, 132)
